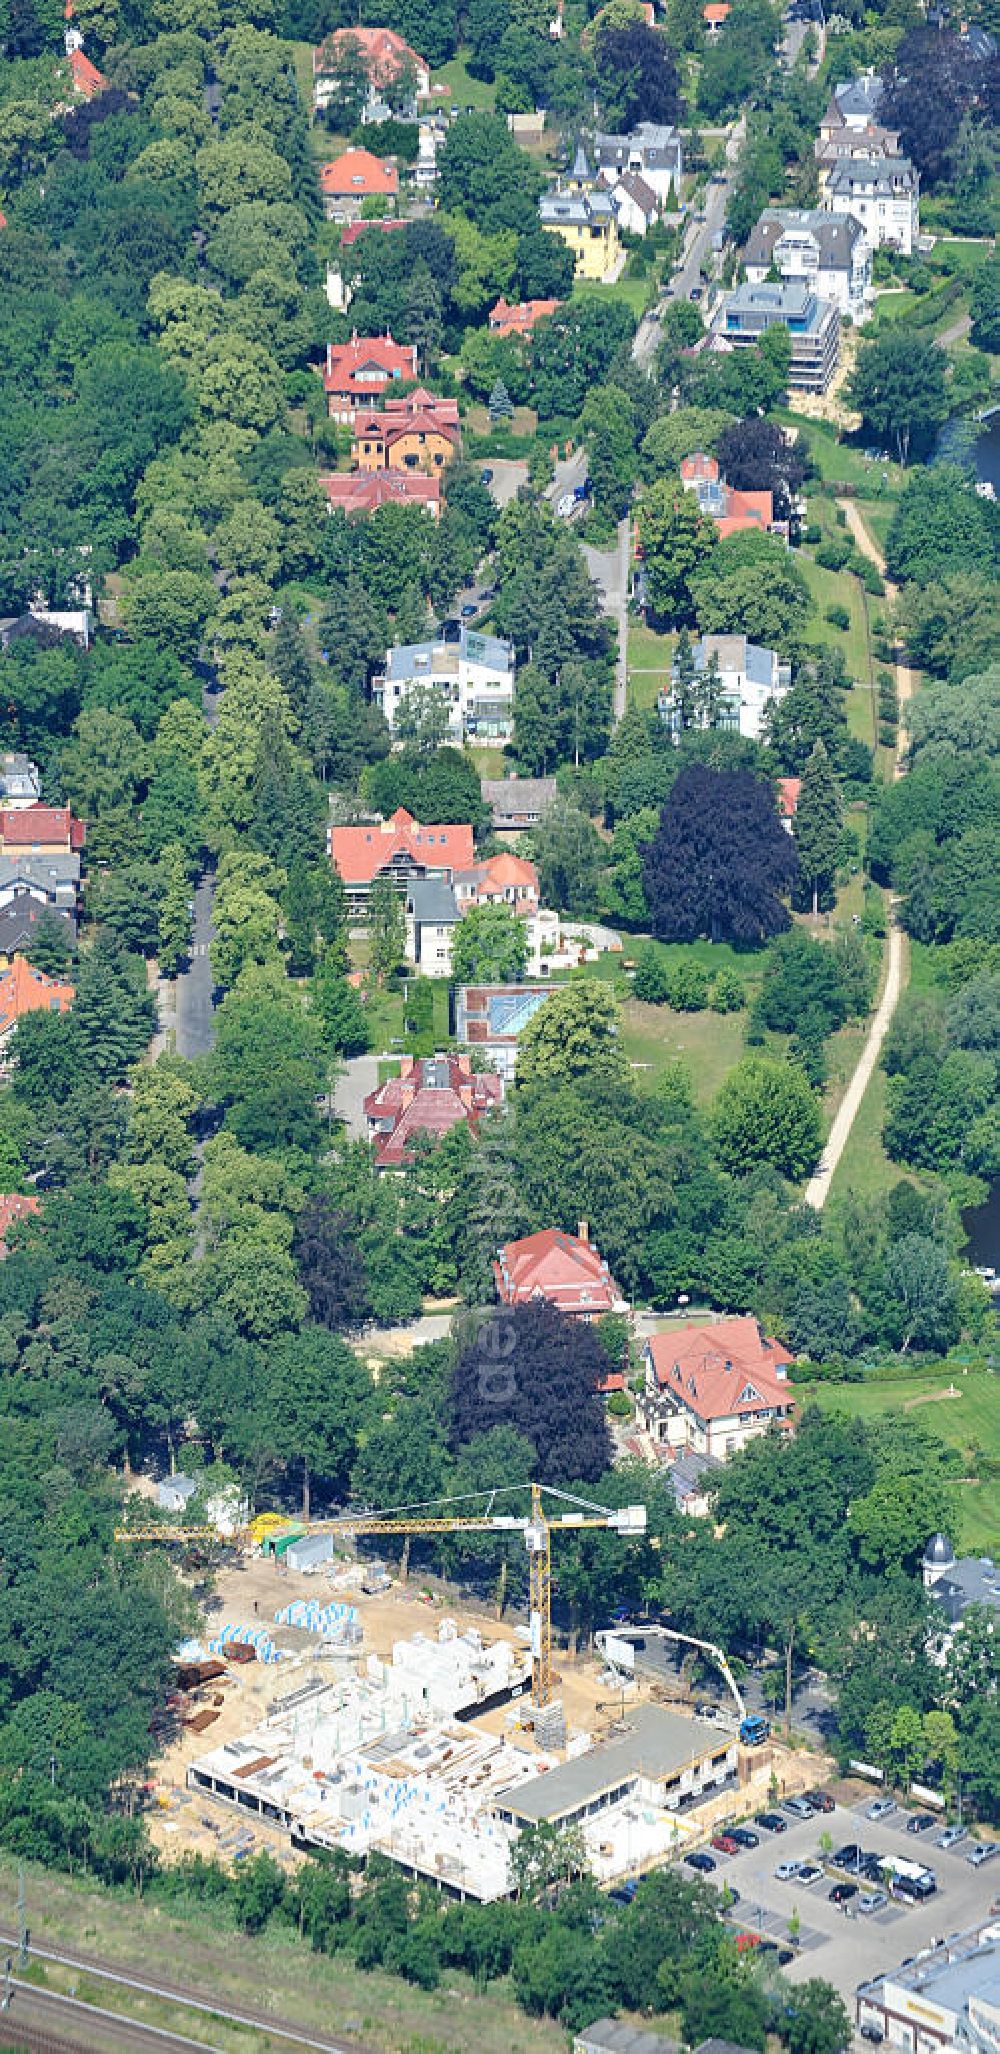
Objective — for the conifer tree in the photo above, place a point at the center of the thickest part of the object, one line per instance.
(818, 823)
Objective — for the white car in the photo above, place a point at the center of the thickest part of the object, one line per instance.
(565, 505)
(810, 1872)
(786, 1870)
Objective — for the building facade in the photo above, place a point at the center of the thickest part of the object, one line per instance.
(882, 193)
(654, 151)
(831, 252)
(399, 848)
(353, 177)
(750, 679)
(474, 678)
(948, 1998)
(813, 326)
(715, 1387)
(358, 373)
(416, 433)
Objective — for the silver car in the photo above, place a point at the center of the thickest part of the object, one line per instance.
(871, 1900)
(984, 1850)
(880, 1809)
(951, 1836)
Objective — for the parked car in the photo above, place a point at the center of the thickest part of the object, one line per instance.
(772, 1822)
(951, 1836)
(706, 1711)
(696, 293)
(725, 1843)
(871, 1866)
(624, 1893)
(565, 505)
(820, 1800)
(797, 1806)
(810, 1872)
(786, 1870)
(984, 1850)
(731, 1895)
(843, 1892)
(921, 1822)
(846, 1857)
(872, 1900)
(704, 1863)
(486, 475)
(873, 2033)
(880, 1808)
(468, 611)
(744, 1836)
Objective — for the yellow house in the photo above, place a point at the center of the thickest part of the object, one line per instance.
(584, 216)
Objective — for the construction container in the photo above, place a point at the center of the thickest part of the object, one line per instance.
(310, 1551)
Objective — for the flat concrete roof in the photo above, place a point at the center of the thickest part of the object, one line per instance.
(658, 1743)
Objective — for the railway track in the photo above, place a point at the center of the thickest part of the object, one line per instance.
(52, 2022)
(186, 1997)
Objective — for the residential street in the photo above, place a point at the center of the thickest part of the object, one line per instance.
(194, 1020)
(358, 1076)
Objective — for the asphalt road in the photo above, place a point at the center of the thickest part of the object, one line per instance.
(844, 1948)
(358, 1076)
(194, 1018)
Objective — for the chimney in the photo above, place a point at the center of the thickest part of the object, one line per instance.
(583, 1232)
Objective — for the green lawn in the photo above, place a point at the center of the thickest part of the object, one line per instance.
(649, 658)
(709, 1043)
(632, 292)
(864, 1169)
(464, 90)
(838, 463)
(969, 1421)
(841, 588)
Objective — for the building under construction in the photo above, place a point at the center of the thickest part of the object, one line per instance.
(390, 1760)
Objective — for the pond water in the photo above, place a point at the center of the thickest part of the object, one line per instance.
(986, 455)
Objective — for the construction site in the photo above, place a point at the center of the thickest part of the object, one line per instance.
(331, 1707)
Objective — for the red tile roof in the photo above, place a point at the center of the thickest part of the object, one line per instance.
(360, 492)
(40, 827)
(431, 1095)
(715, 12)
(391, 424)
(358, 172)
(350, 234)
(359, 370)
(699, 466)
(721, 1369)
(562, 1268)
(520, 320)
(385, 54)
(788, 796)
(86, 77)
(359, 853)
(25, 990)
(15, 1205)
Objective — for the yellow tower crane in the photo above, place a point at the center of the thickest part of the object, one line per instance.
(537, 1526)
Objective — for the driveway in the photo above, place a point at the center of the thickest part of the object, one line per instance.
(193, 1009)
(358, 1076)
(509, 474)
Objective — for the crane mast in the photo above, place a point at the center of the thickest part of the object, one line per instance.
(627, 1520)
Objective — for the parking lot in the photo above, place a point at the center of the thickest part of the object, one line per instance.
(833, 1941)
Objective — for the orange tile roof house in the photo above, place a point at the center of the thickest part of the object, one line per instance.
(358, 372)
(354, 176)
(565, 1269)
(42, 828)
(385, 56)
(361, 492)
(714, 14)
(520, 320)
(25, 990)
(506, 879)
(15, 1205)
(714, 1387)
(788, 799)
(416, 433)
(731, 511)
(431, 1095)
(88, 82)
(401, 846)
